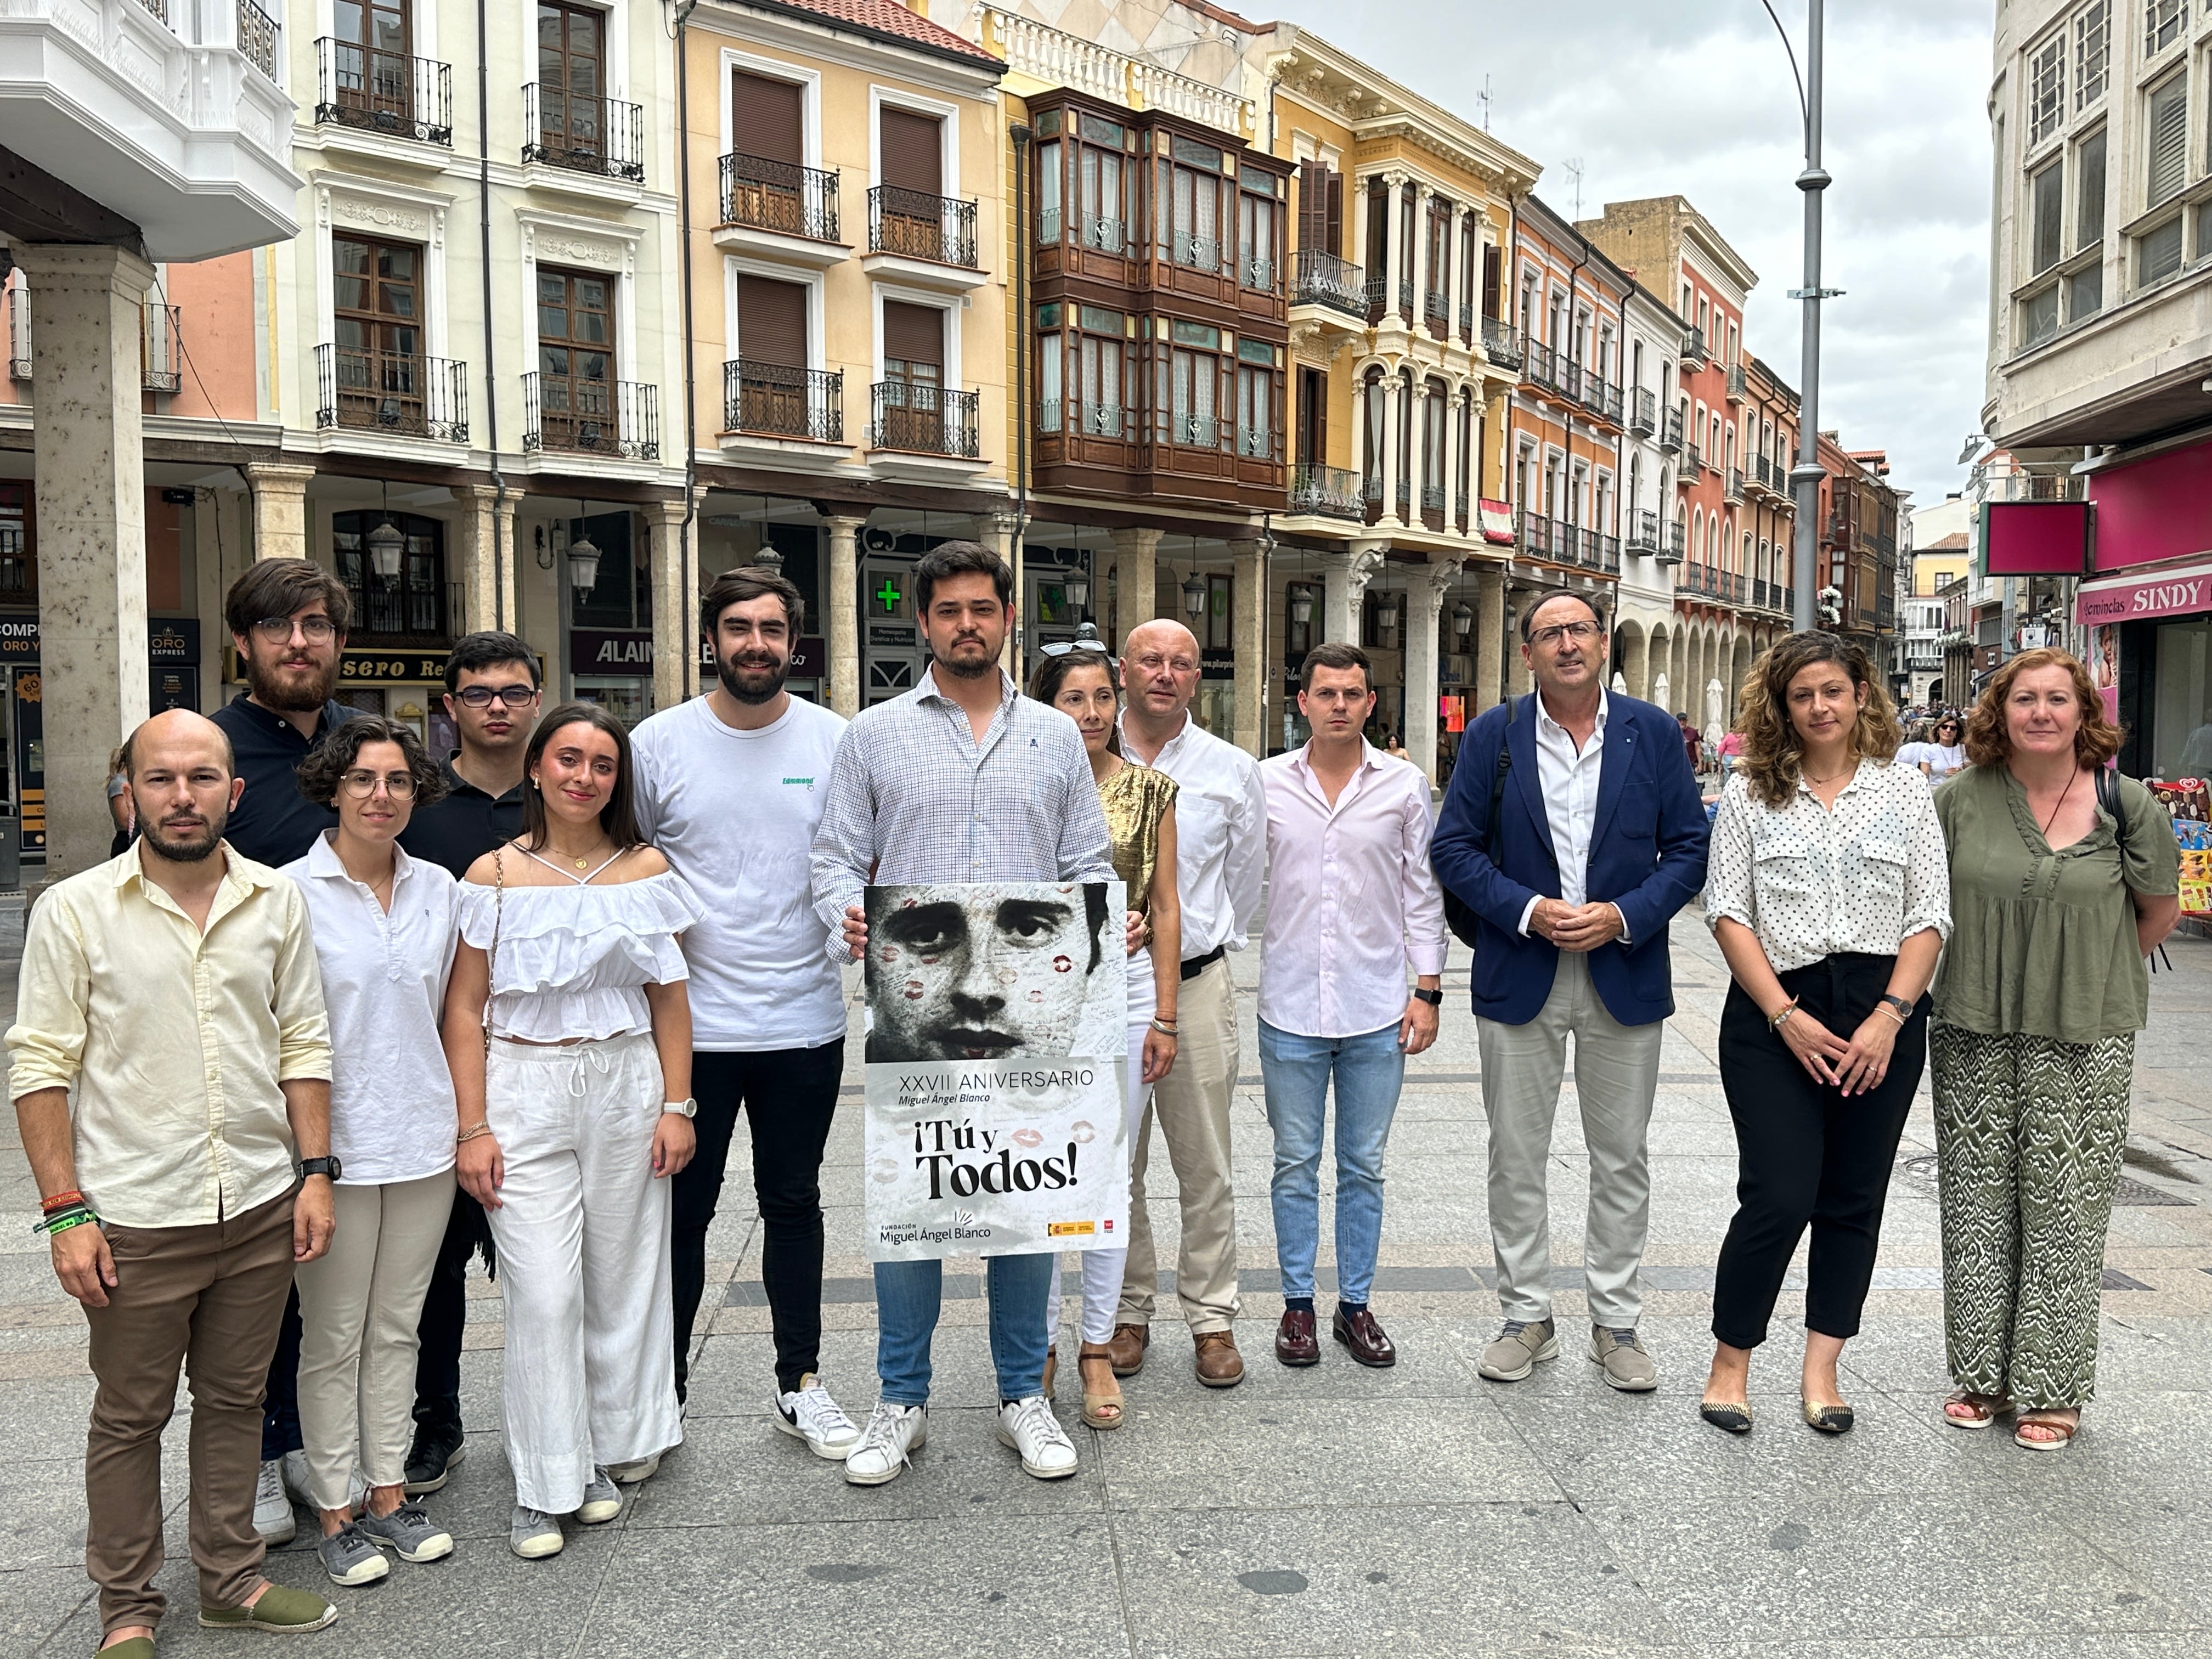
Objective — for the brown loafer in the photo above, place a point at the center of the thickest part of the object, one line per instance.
(1296, 1343)
(1126, 1349)
(1360, 1333)
(1218, 1363)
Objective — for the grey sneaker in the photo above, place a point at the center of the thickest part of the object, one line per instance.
(532, 1534)
(408, 1533)
(350, 1558)
(602, 1499)
(272, 1505)
(1518, 1347)
(1627, 1367)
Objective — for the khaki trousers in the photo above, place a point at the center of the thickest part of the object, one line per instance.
(1616, 1074)
(1192, 1104)
(208, 1299)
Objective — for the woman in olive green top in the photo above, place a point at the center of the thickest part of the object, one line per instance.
(2038, 1001)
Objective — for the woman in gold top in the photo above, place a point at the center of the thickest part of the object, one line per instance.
(1079, 681)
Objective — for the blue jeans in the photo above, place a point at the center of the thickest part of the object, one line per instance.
(908, 1294)
(1369, 1071)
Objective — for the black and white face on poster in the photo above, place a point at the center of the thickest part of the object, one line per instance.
(995, 1066)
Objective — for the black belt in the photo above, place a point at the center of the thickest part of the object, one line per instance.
(1194, 966)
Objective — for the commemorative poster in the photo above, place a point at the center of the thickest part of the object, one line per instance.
(995, 1068)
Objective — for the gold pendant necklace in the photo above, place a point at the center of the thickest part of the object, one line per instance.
(581, 862)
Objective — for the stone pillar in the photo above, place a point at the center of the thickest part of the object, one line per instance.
(1393, 412)
(675, 604)
(1001, 535)
(1394, 253)
(1424, 599)
(1417, 257)
(479, 563)
(210, 582)
(1135, 554)
(1489, 636)
(1249, 594)
(1345, 576)
(845, 616)
(507, 593)
(280, 509)
(89, 466)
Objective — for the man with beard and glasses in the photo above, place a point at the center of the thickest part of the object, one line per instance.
(731, 787)
(963, 780)
(173, 993)
(492, 697)
(288, 618)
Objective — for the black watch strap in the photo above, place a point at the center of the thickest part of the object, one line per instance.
(319, 1166)
(1434, 998)
(1903, 1008)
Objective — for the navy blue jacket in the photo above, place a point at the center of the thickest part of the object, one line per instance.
(273, 823)
(1647, 855)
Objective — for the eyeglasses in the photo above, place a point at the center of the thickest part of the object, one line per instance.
(514, 696)
(361, 785)
(1580, 632)
(278, 630)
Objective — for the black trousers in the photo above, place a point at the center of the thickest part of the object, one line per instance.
(1807, 1154)
(791, 1095)
(445, 1320)
(280, 1405)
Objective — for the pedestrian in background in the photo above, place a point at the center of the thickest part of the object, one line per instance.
(119, 801)
(384, 935)
(1574, 835)
(1828, 890)
(570, 1037)
(2063, 877)
(1353, 906)
(1080, 681)
(170, 1065)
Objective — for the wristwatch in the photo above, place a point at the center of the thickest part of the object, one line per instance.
(688, 1108)
(1434, 998)
(319, 1166)
(1903, 1008)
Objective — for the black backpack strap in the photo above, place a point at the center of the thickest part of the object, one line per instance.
(1498, 778)
(2108, 797)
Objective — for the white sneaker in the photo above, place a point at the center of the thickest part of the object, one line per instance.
(601, 1501)
(894, 1434)
(637, 1469)
(1029, 1426)
(809, 1413)
(300, 1483)
(272, 1505)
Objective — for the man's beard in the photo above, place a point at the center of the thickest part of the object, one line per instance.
(963, 671)
(726, 670)
(271, 693)
(184, 852)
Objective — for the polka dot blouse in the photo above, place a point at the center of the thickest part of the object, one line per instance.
(1811, 883)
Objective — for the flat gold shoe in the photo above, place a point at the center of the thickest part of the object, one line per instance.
(1829, 1419)
(1734, 1416)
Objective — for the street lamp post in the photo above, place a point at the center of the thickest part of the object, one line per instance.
(1805, 476)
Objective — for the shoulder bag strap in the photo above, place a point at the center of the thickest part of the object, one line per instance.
(1498, 778)
(491, 959)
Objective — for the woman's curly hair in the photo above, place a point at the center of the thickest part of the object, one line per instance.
(335, 756)
(1771, 748)
(2096, 740)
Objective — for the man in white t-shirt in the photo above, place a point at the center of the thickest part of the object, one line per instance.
(730, 788)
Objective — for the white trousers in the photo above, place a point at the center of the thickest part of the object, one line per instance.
(1102, 1269)
(583, 1235)
(360, 1305)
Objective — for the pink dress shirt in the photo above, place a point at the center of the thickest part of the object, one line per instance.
(1352, 901)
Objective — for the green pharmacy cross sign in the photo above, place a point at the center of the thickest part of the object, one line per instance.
(889, 597)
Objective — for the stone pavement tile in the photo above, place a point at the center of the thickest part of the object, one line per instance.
(1838, 1565)
(1259, 1453)
(740, 1471)
(46, 1418)
(2147, 1644)
(1386, 1579)
(35, 1601)
(1905, 1354)
(995, 1588)
(43, 1524)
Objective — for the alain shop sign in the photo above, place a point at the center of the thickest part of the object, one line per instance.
(629, 651)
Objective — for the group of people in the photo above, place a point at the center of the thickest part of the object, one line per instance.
(342, 1016)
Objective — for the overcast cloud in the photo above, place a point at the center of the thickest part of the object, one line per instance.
(1658, 97)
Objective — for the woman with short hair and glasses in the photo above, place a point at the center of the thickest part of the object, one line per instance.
(1941, 751)
(384, 929)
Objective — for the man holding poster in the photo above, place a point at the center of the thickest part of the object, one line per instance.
(959, 784)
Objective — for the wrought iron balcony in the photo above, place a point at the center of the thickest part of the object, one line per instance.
(781, 196)
(1541, 365)
(927, 419)
(1601, 399)
(1693, 462)
(1735, 388)
(384, 92)
(390, 611)
(1643, 414)
(1538, 536)
(1642, 531)
(583, 134)
(397, 393)
(1331, 492)
(1093, 419)
(613, 418)
(1378, 299)
(775, 401)
(1733, 489)
(1432, 498)
(1435, 310)
(1199, 252)
(257, 36)
(918, 226)
(1670, 551)
(1321, 278)
(1501, 343)
(1670, 431)
(1693, 347)
(161, 366)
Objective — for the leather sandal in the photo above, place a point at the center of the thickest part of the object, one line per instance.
(2045, 1419)
(1051, 1370)
(1986, 1409)
(1100, 1410)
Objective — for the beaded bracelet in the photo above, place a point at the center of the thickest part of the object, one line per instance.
(472, 1132)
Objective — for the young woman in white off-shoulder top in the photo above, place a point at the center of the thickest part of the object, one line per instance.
(568, 1032)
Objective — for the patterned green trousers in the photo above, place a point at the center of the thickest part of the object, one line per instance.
(2028, 1137)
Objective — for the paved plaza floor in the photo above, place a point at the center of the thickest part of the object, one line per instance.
(1417, 1511)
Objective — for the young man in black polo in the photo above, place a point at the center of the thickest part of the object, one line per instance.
(492, 697)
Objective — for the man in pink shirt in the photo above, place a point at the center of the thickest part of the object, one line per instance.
(1351, 904)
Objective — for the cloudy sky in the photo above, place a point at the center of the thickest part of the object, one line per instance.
(1656, 97)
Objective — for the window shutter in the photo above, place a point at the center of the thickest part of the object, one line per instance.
(1490, 279)
(913, 150)
(765, 114)
(2169, 139)
(913, 334)
(771, 322)
(1332, 233)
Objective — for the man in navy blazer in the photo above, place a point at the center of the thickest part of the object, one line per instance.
(1572, 831)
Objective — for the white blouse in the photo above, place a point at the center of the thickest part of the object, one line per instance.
(572, 961)
(1811, 883)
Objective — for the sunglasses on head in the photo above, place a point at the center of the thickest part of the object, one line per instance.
(1086, 639)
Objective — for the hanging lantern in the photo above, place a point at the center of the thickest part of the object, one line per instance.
(1193, 595)
(583, 563)
(1077, 587)
(1301, 606)
(769, 560)
(1463, 619)
(1386, 613)
(385, 544)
